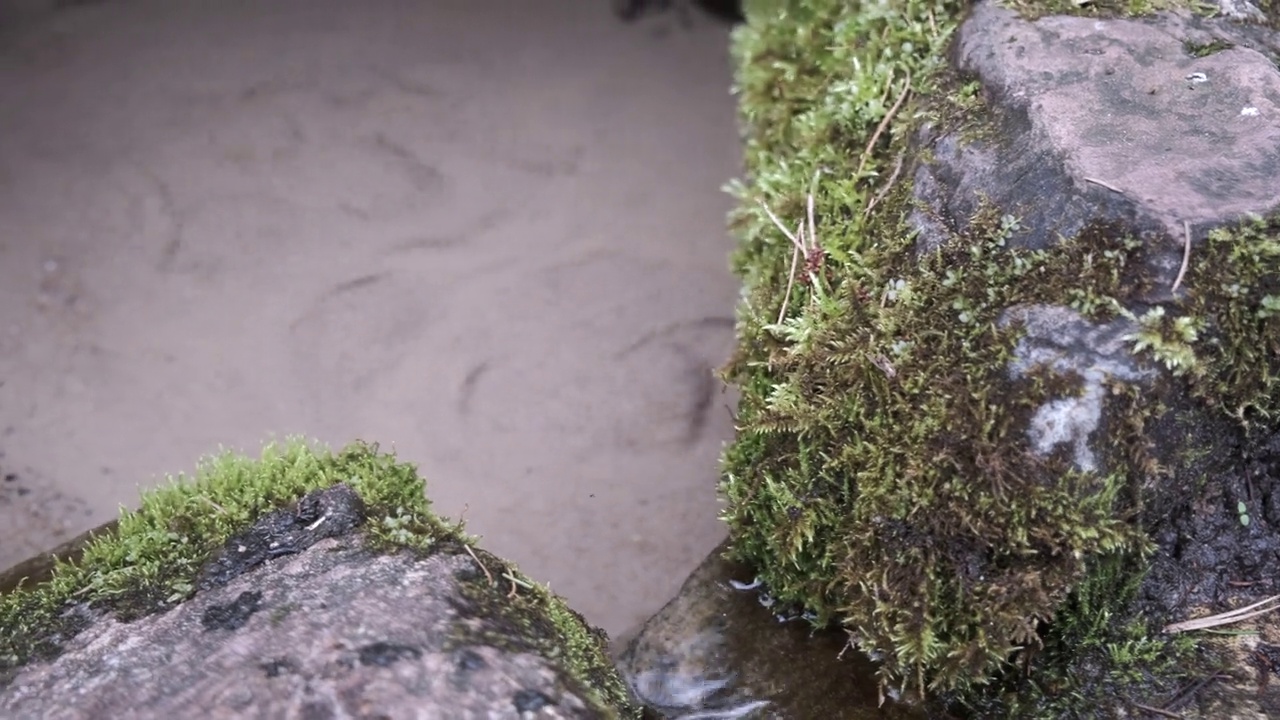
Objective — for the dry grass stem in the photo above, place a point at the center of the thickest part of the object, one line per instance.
(483, 569)
(812, 237)
(803, 245)
(1226, 618)
(1108, 186)
(515, 583)
(791, 280)
(1186, 256)
(790, 235)
(884, 191)
(884, 123)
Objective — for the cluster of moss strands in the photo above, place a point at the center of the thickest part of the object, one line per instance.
(522, 617)
(881, 475)
(1234, 288)
(152, 560)
(884, 477)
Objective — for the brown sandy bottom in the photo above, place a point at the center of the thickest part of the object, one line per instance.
(487, 234)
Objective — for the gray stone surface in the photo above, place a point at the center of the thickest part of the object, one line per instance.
(292, 621)
(1111, 121)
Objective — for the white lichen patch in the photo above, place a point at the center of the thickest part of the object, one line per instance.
(1062, 341)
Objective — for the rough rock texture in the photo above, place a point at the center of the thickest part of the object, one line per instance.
(1124, 125)
(1156, 128)
(723, 649)
(1113, 120)
(1146, 127)
(1005, 449)
(298, 617)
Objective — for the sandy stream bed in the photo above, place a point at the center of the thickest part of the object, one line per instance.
(489, 234)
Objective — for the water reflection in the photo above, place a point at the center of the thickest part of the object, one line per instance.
(720, 650)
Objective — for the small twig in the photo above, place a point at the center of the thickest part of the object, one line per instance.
(800, 247)
(812, 237)
(514, 583)
(790, 235)
(1186, 256)
(1106, 185)
(1156, 710)
(1189, 691)
(791, 280)
(1226, 618)
(884, 123)
(482, 567)
(893, 177)
(812, 253)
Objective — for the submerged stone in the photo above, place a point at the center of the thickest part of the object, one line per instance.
(722, 649)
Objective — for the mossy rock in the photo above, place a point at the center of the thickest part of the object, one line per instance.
(886, 474)
(304, 581)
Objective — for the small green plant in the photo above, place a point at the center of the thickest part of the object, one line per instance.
(969, 96)
(1204, 49)
(1243, 511)
(1169, 340)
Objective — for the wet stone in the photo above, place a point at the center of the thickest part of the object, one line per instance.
(722, 650)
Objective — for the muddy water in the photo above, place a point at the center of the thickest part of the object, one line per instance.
(488, 234)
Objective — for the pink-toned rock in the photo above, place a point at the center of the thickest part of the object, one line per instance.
(299, 617)
(1112, 120)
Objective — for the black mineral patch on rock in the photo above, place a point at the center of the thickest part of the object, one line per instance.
(232, 616)
(319, 515)
(384, 654)
(279, 666)
(530, 701)
(469, 661)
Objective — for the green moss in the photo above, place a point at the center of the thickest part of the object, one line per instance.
(1234, 294)
(152, 560)
(881, 475)
(1102, 9)
(1205, 49)
(1101, 653)
(524, 616)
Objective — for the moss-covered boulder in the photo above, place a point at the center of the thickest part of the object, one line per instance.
(1010, 342)
(307, 584)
